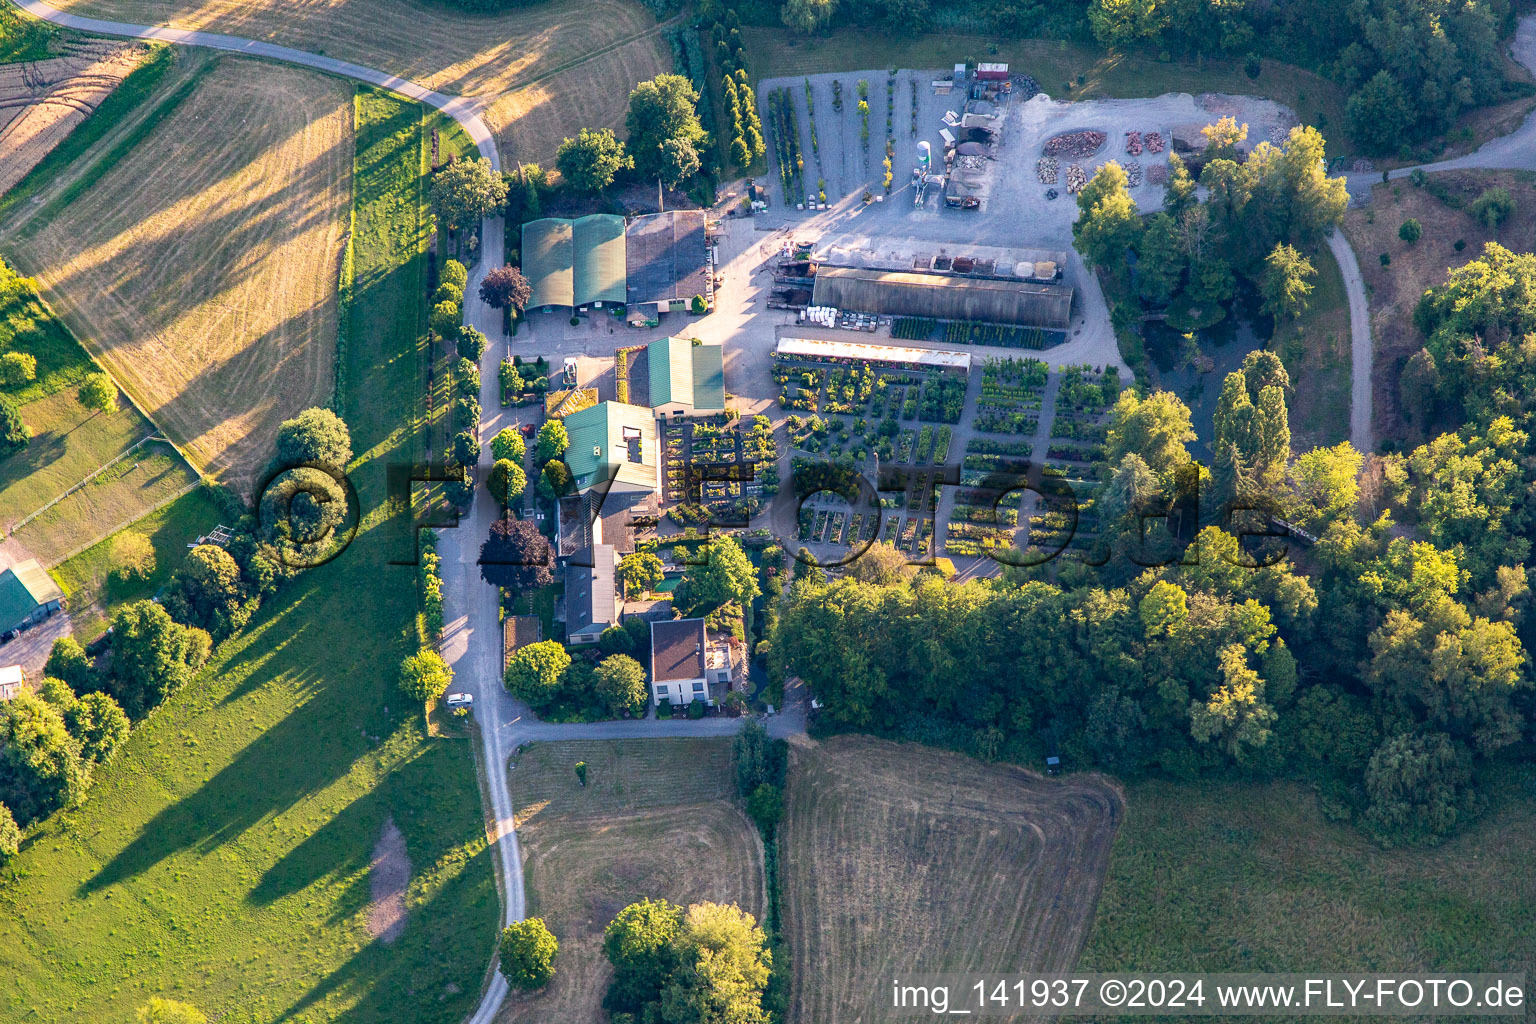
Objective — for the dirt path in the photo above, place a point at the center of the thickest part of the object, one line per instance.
(389, 877)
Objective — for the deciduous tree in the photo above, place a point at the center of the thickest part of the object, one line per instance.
(505, 287)
(620, 682)
(589, 162)
(516, 556)
(466, 191)
(425, 676)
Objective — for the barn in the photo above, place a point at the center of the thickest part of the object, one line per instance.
(945, 297)
(575, 262)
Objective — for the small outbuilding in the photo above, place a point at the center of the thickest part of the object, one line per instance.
(28, 595)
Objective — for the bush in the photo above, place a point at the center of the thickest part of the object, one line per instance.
(699, 305)
(10, 835)
(17, 368)
(696, 709)
(528, 951)
(1493, 207)
(1411, 231)
(425, 676)
(14, 434)
(766, 806)
(133, 559)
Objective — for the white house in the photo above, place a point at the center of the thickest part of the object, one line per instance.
(685, 663)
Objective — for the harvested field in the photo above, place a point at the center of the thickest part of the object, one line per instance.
(1394, 290)
(656, 819)
(42, 102)
(540, 70)
(202, 268)
(900, 858)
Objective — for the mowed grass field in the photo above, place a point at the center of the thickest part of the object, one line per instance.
(655, 820)
(170, 528)
(543, 71)
(775, 52)
(223, 858)
(202, 267)
(900, 859)
(1220, 876)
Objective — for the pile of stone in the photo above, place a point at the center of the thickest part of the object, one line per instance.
(1154, 142)
(1133, 174)
(1046, 170)
(1076, 179)
(1157, 174)
(1076, 144)
(1133, 143)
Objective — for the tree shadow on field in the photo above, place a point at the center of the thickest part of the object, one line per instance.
(437, 964)
(335, 689)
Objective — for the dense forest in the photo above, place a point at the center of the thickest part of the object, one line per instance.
(1386, 663)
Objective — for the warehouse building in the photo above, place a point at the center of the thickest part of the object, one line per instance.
(819, 350)
(668, 256)
(575, 263)
(945, 297)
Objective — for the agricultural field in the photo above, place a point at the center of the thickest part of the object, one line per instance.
(202, 266)
(656, 819)
(542, 71)
(1240, 876)
(900, 858)
(229, 844)
(42, 102)
(83, 577)
(1441, 207)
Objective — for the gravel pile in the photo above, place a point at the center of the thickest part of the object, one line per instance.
(1076, 179)
(1157, 174)
(1046, 169)
(1133, 174)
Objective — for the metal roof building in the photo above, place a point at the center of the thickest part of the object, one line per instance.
(613, 442)
(574, 262)
(686, 377)
(899, 355)
(591, 600)
(945, 297)
(667, 256)
(27, 595)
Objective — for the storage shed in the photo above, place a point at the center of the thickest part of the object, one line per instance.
(945, 297)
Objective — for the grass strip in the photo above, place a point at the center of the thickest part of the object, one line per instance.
(122, 101)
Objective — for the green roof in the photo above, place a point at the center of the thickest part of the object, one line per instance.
(599, 270)
(24, 587)
(708, 377)
(607, 439)
(548, 254)
(575, 262)
(686, 373)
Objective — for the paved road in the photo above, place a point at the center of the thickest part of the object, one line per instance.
(1360, 344)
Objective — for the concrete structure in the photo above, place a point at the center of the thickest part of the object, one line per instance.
(28, 595)
(614, 444)
(945, 297)
(686, 379)
(575, 262)
(667, 255)
(12, 679)
(592, 603)
(684, 663)
(818, 350)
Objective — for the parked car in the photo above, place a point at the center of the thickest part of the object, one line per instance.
(459, 700)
